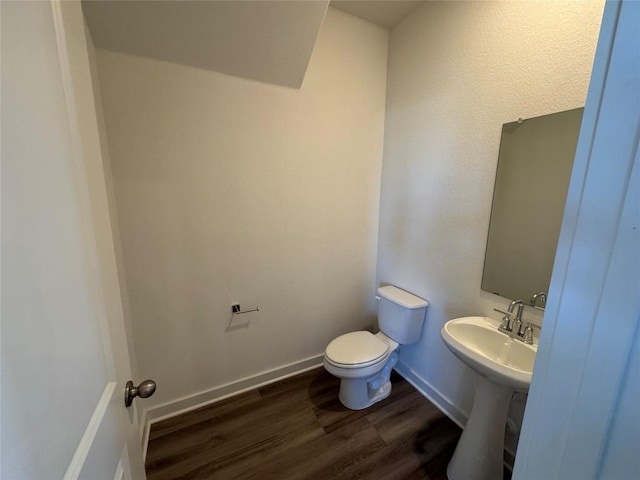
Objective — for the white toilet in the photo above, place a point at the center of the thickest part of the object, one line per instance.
(363, 361)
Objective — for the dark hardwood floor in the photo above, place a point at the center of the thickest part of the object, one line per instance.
(298, 429)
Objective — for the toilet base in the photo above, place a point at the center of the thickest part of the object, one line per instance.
(351, 394)
(360, 393)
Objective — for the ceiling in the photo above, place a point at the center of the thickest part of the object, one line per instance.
(268, 41)
(386, 13)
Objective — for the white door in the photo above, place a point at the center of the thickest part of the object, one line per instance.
(582, 418)
(65, 359)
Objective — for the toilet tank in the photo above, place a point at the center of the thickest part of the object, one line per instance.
(401, 314)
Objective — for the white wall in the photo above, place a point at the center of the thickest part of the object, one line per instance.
(457, 71)
(108, 235)
(230, 190)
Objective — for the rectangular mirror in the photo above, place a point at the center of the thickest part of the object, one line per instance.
(532, 179)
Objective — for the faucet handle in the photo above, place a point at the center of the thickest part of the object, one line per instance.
(527, 335)
(506, 320)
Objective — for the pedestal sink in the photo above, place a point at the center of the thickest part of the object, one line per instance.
(502, 364)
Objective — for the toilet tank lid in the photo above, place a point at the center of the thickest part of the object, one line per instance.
(402, 298)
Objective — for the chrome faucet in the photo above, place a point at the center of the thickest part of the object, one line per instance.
(517, 321)
(513, 326)
(508, 319)
(539, 296)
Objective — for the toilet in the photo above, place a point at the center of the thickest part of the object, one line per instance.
(363, 361)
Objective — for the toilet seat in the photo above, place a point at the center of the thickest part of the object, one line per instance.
(356, 350)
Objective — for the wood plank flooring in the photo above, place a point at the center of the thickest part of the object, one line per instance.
(298, 429)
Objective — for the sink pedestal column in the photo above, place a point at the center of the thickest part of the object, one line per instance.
(480, 451)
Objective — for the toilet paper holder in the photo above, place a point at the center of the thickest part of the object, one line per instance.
(235, 309)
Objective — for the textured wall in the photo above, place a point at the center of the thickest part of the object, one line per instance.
(457, 71)
(233, 190)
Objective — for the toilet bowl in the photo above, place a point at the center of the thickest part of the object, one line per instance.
(363, 361)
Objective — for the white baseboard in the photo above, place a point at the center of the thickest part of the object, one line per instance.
(221, 392)
(432, 394)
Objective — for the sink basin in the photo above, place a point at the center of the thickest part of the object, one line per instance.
(493, 354)
(503, 365)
